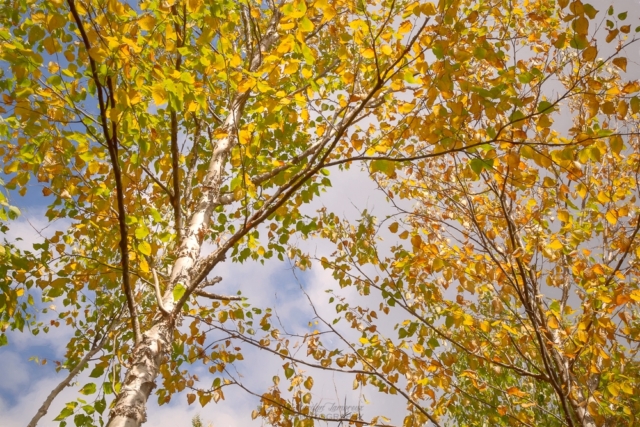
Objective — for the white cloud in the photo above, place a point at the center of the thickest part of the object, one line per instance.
(272, 284)
(13, 371)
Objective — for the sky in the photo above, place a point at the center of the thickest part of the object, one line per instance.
(25, 383)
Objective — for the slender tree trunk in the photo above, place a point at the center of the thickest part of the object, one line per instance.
(130, 406)
(64, 383)
(131, 403)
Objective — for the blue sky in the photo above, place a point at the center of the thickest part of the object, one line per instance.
(26, 383)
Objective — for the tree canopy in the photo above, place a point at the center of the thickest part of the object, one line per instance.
(174, 136)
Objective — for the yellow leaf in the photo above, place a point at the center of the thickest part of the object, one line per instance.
(626, 388)
(285, 26)
(144, 248)
(393, 227)
(191, 398)
(485, 326)
(556, 245)
(621, 63)
(328, 11)
(246, 84)
(603, 197)
(144, 266)
(406, 107)
(159, 94)
(508, 328)
(364, 341)
(305, 25)
(429, 9)
(147, 22)
(52, 45)
(291, 68)
(194, 5)
(98, 54)
(613, 389)
(553, 322)
(622, 109)
(631, 87)
(581, 26)
(563, 215)
(11, 167)
(418, 348)
(356, 142)
(515, 391)
(612, 216)
(405, 27)
(590, 53)
(386, 49)
(368, 53)
(286, 45)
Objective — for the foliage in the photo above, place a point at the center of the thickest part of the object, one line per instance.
(159, 127)
(515, 264)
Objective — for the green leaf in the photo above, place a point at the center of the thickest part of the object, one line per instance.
(408, 77)
(14, 212)
(97, 372)
(178, 292)
(478, 165)
(88, 389)
(142, 232)
(525, 77)
(66, 412)
(305, 24)
(100, 405)
(545, 107)
(579, 41)
(385, 166)
(54, 80)
(590, 10)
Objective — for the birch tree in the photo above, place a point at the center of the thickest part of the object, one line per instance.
(159, 126)
(177, 135)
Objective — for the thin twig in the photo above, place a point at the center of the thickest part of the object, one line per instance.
(156, 286)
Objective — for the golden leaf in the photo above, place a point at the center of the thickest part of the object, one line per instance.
(556, 244)
(147, 22)
(590, 53)
(621, 63)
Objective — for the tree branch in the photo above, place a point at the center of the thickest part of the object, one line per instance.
(218, 296)
(42, 411)
(112, 144)
(156, 286)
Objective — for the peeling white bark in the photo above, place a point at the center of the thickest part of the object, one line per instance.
(130, 406)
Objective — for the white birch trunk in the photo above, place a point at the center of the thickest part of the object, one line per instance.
(130, 406)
